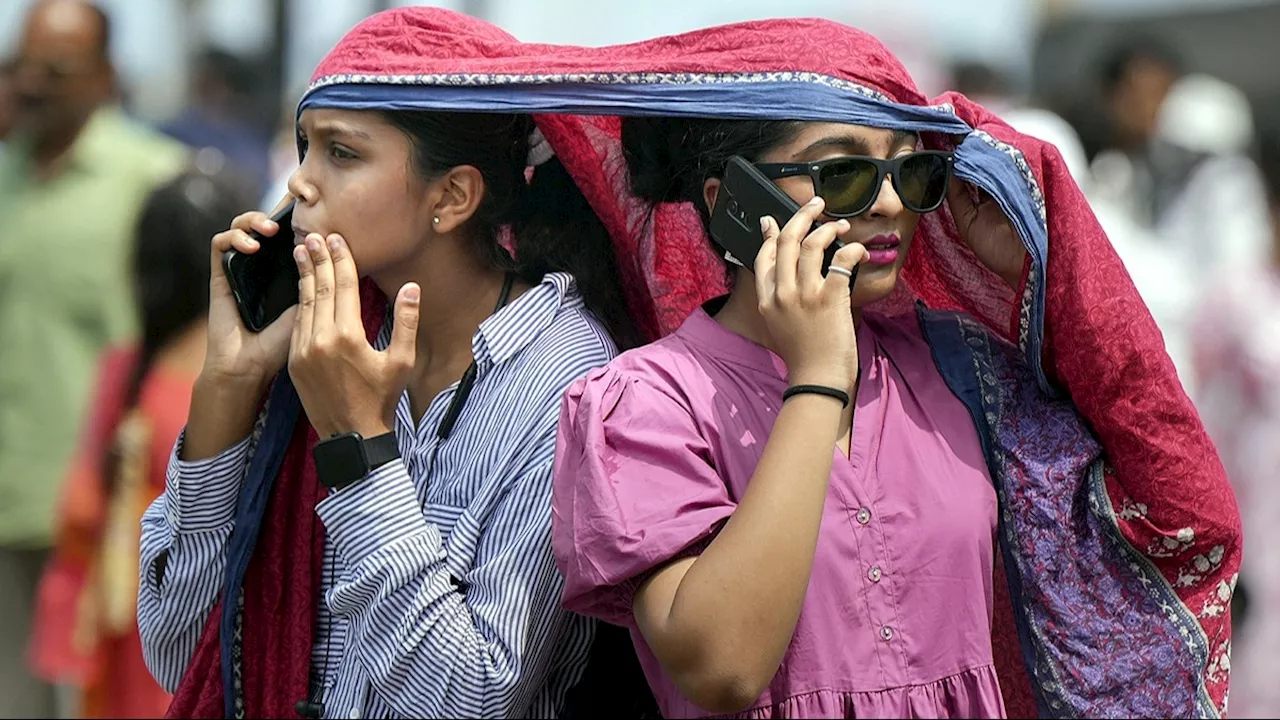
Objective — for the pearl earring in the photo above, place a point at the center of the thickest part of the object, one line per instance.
(436, 220)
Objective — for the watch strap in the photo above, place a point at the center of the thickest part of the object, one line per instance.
(381, 450)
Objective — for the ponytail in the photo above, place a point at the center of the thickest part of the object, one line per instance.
(170, 268)
(558, 231)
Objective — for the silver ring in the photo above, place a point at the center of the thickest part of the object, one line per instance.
(842, 271)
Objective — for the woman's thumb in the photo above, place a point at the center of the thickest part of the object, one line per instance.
(404, 333)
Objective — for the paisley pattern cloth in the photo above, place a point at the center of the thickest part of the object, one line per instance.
(1121, 543)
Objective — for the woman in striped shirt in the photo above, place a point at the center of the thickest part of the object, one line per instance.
(427, 559)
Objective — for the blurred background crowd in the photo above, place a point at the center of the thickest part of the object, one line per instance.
(132, 130)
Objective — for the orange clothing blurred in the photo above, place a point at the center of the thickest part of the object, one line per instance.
(85, 628)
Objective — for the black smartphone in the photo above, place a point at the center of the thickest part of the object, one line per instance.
(265, 284)
(745, 196)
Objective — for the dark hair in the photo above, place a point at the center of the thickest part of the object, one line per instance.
(170, 270)
(554, 226)
(974, 77)
(232, 71)
(1128, 51)
(170, 264)
(670, 159)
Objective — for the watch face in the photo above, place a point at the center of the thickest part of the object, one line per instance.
(341, 460)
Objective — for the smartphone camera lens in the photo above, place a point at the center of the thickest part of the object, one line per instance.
(735, 210)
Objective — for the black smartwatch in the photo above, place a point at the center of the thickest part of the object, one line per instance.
(346, 459)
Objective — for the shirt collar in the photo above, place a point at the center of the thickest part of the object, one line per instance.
(702, 330)
(512, 328)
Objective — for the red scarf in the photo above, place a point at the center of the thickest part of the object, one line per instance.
(281, 590)
(1077, 314)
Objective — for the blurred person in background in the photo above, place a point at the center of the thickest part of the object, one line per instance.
(72, 181)
(992, 89)
(1139, 169)
(1132, 177)
(85, 632)
(220, 117)
(1237, 353)
(1176, 196)
(1225, 197)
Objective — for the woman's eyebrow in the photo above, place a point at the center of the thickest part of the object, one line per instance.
(903, 137)
(857, 146)
(333, 128)
(848, 143)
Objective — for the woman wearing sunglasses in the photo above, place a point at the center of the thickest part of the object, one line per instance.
(794, 501)
(772, 375)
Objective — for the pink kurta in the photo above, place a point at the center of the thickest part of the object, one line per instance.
(657, 448)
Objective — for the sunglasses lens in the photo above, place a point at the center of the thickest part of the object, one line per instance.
(848, 187)
(922, 182)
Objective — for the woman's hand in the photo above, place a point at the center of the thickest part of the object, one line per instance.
(987, 231)
(809, 318)
(345, 385)
(238, 364)
(235, 356)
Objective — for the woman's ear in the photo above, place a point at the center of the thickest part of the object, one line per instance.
(459, 193)
(710, 190)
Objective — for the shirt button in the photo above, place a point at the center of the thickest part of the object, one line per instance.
(886, 633)
(864, 516)
(355, 713)
(874, 574)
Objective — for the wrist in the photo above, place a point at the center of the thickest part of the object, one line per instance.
(217, 383)
(837, 378)
(220, 414)
(365, 429)
(823, 391)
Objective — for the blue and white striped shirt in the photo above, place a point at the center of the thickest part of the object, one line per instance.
(447, 600)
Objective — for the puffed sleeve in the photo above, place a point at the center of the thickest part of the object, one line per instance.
(634, 488)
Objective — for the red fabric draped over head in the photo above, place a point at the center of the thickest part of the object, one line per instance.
(1076, 314)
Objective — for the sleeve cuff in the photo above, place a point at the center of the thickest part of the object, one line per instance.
(203, 494)
(376, 512)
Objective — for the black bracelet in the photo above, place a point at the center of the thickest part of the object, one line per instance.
(830, 392)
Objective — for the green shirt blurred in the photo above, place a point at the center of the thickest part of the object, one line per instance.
(65, 294)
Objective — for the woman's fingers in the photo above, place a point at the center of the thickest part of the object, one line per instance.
(843, 271)
(812, 251)
(789, 244)
(322, 270)
(238, 240)
(305, 322)
(256, 221)
(346, 280)
(960, 200)
(765, 271)
(403, 348)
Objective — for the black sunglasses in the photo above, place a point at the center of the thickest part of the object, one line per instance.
(851, 184)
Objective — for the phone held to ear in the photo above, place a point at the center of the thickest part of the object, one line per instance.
(265, 284)
(745, 196)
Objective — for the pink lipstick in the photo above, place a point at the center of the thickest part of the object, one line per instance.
(882, 249)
